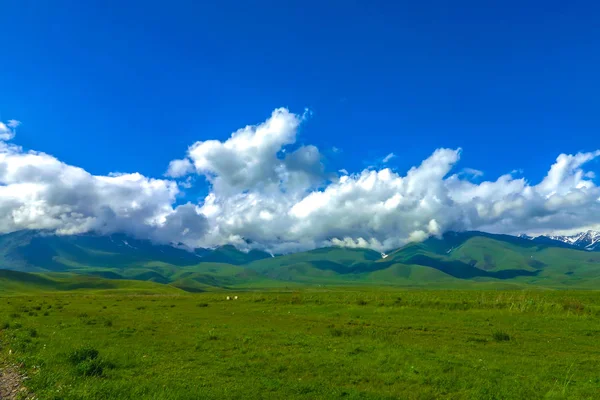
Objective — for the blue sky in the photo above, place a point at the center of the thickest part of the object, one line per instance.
(128, 86)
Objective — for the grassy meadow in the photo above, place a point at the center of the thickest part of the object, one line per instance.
(372, 343)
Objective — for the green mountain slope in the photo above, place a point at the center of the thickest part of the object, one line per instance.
(337, 259)
(230, 255)
(118, 257)
(39, 251)
(476, 255)
(36, 251)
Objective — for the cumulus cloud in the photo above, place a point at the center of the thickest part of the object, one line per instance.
(255, 157)
(37, 191)
(266, 191)
(179, 168)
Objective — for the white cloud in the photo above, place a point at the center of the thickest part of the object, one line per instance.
(388, 157)
(6, 131)
(249, 157)
(179, 168)
(255, 156)
(269, 192)
(187, 183)
(37, 191)
(472, 172)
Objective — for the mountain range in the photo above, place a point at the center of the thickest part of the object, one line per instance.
(454, 259)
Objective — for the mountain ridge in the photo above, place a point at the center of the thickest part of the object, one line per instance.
(589, 240)
(453, 257)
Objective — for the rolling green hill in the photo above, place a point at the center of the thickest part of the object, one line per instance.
(455, 259)
(338, 259)
(15, 282)
(38, 251)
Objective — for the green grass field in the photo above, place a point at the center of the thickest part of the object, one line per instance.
(368, 343)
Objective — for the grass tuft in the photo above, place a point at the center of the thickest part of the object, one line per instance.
(500, 336)
(336, 332)
(82, 354)
(90, 368)
(574, 306)
(212, 335)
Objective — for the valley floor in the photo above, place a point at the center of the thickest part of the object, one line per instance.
(354, 343)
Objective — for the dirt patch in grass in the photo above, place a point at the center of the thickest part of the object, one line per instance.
(11, 385)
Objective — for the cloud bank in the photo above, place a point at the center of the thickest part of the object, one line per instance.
(37, 191)
(265, 195)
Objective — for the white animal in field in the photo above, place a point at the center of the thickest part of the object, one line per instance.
(228, 298)
(235, 297)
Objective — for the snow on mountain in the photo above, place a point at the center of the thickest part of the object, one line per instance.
(589, 240)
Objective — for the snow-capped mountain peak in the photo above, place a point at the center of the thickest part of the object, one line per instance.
(589, 240)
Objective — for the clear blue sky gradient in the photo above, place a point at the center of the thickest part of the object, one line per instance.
(126, 86)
